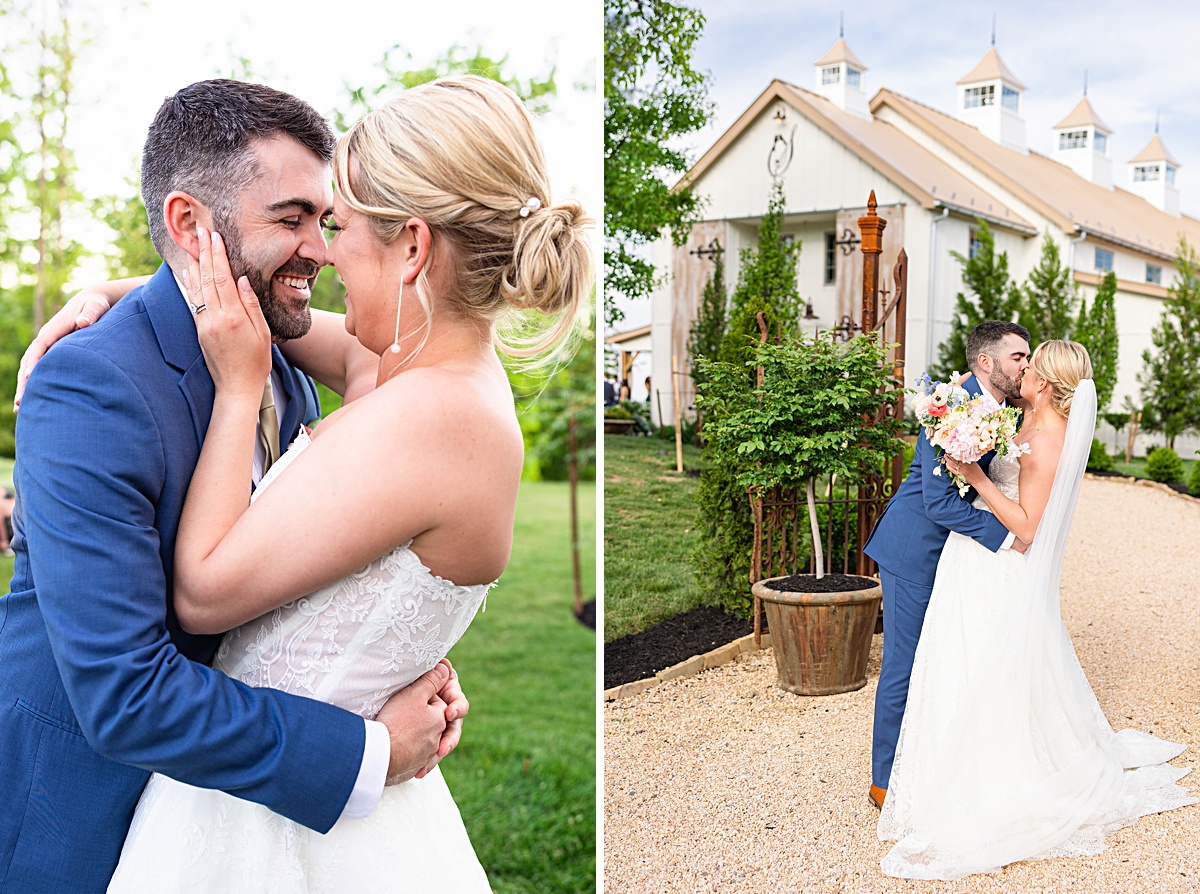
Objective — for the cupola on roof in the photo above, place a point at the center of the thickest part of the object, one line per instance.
(991, 67)
(1083, 115)
(1155, 151)
(840, 52)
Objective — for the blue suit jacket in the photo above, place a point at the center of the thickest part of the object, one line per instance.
(909, 536)
(98, 683)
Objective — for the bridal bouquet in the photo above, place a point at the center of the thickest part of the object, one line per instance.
(962, 426)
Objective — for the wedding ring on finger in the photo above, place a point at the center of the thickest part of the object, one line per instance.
(196, 308)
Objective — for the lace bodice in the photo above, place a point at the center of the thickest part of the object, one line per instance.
(1004, 472)
(357, 641)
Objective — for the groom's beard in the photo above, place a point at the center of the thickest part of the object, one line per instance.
(1006, 385)
(284, 319)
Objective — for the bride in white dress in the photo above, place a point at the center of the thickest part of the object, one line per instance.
(1004, 753)
(397, 515)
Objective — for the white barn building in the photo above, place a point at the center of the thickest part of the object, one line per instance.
(934, 175)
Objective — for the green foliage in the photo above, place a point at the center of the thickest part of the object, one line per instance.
(545, 407)
(619, 411)
(535, 91)
(649, 533)
(1170, 376)
(1116, 420)
(809, 419)
(652, 98)
(133, 252)
(524, 776)
(767, 282)
(1048, 297)
(38, 193)
(1098, 458)
(1163, 464)
(994, 296)
(708, 330)
(1096, 330)
(1193, 481)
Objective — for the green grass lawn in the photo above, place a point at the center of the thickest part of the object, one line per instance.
(1136, 467)
(649, 533)
(524, 775)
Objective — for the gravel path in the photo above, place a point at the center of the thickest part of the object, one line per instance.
(724, 782)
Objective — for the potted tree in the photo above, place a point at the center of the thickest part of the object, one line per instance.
(813, 415)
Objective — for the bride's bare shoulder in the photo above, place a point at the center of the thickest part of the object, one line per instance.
(439, 407)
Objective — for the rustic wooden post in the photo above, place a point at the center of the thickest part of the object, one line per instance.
(872, 227)
(573, 478)
(678, 414)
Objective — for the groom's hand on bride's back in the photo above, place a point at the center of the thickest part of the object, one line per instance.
(419, 722)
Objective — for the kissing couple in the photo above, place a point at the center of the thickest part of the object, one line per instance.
(161, 526)
(989, 746)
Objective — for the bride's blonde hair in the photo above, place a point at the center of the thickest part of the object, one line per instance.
(461, 154)
(1063, 364)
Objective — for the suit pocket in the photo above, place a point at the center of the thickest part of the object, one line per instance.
(71, 821)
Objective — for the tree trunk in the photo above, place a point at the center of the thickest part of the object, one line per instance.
(818, 554)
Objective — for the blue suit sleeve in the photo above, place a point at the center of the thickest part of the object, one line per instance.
(92, 468)
(944, 506)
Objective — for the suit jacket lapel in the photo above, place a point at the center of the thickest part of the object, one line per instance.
(301, 406)
(176, 333)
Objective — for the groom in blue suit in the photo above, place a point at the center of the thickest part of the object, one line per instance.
(99, 685)
(909, 536)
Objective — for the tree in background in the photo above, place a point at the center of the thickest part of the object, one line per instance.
(1048, 297)
(708, 329)
(132, 252)
(767, 283)
(37, 183)
(1170, 377)
(546, 403)
(1096, 330)
(994, 296)
(652, 97)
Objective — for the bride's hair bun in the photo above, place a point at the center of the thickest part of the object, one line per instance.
(1064, 364)
(461, 154)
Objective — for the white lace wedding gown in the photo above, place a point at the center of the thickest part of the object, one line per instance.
(1004, 753)
(352, 644)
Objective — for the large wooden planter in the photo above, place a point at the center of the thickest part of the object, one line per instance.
(821, 640)
(618, 426)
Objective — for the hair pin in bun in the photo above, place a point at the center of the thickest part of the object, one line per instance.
(533, 204)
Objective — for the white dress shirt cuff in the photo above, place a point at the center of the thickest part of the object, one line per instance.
(368, 788)
(1008, 541)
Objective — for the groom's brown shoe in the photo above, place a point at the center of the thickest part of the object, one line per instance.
(876, 796)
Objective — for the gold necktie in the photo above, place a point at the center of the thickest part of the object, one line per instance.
(268, 426)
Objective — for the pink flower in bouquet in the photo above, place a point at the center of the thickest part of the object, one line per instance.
(936, 409)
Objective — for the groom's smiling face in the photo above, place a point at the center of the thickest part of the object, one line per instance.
(275, 238)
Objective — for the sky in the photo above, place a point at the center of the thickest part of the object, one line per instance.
(1140, 59)
(141, 52)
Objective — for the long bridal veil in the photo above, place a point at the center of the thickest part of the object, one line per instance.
(1027, 765)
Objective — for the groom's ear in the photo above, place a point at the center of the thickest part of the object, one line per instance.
(182, 212)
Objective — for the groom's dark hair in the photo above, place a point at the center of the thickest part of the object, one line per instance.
(986, 338)
(201, 139)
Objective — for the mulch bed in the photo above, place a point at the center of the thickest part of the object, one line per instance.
(588, 616)
(642, 655)
(830, 583)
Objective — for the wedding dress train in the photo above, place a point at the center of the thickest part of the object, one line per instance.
(1004, 753)
(352, 644)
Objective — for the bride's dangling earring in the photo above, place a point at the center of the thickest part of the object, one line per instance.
(395, 349)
